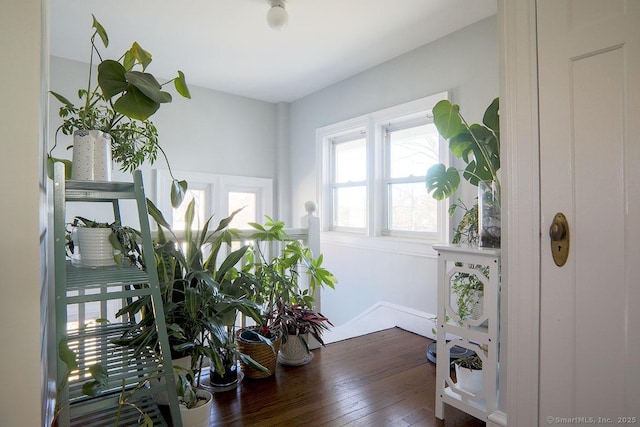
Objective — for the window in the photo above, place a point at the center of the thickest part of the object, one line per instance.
(410, 149)
(349, 181)
(217, 195)
(373, 167)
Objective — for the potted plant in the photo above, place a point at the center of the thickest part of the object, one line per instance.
(276, 290)
(469, 373)
(112, 119)
(299, 322)
(103, 244)
(195, 308)
(479, 147)
(195, 403)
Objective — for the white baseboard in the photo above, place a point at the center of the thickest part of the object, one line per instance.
(383, 315)
(497, 419)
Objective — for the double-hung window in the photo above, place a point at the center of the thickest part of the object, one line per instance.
(372, 173)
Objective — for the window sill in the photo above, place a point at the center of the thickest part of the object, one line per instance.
(393, 244)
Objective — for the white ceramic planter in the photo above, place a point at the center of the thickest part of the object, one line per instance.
(469, 380)
(91, 156)
(95, 248)
(294, 352)
(162, 398)
(200, 416)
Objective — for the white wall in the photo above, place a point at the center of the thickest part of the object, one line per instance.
(465, 64)
(21, 216)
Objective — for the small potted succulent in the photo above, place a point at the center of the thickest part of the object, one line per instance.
(112, 118)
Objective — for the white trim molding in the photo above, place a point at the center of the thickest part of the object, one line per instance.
(380, 316)
(521, 192)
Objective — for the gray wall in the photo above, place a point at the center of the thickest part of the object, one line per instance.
(464, 63)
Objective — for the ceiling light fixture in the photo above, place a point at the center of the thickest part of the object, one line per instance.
(277, 16)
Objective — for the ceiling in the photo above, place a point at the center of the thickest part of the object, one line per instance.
(227, 45)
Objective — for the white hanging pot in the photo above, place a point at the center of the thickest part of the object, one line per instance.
(95, 248)
(91, 156)
(198, 416)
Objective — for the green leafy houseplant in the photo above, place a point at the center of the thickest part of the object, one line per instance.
(125, 97)
(286, 308)
(277, 277)
(468, 290)
(123, 239)
(477, 145)
(195, 307)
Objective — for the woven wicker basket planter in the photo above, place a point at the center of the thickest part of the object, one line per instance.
(260, 352)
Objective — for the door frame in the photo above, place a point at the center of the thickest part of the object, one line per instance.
(521, 248)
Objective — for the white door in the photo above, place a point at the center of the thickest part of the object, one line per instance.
(589, 76)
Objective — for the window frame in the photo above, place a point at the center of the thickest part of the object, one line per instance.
(373, 125)
(217, 188)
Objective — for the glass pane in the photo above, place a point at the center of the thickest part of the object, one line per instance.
(350, 207)
(200, 196)
(412, 151)
(247, 201)
(350, 161)
(411, 208)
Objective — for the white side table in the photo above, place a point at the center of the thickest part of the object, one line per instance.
(480, 334)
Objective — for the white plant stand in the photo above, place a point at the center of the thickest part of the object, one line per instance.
(480, 335)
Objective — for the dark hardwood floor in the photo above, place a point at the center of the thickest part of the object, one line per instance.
(380, 379)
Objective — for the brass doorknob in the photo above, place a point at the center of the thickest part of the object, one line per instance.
(559, 233)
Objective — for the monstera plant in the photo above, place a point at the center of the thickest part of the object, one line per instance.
(478, 145)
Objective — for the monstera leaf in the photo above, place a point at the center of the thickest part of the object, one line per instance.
(442, 182)
(477, 145)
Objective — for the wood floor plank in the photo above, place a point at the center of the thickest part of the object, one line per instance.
(380, 379)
